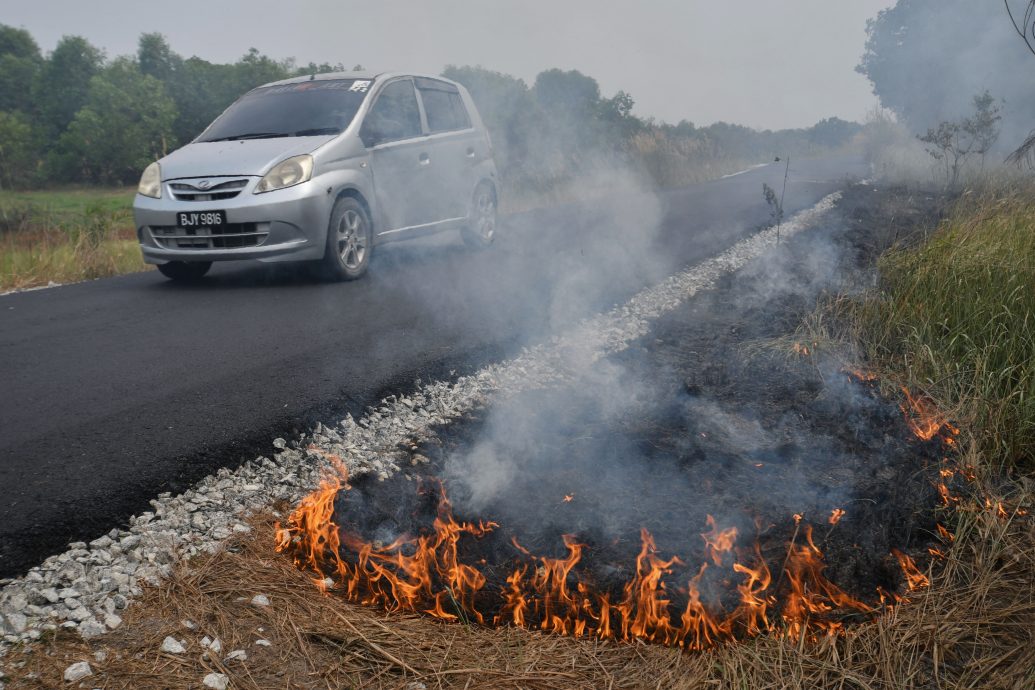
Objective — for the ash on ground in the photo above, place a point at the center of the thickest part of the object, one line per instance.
(719, 412)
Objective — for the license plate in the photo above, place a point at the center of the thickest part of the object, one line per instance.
(200, 219)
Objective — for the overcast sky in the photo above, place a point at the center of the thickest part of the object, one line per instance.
(763, 63)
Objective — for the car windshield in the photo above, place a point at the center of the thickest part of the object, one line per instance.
(308, 108)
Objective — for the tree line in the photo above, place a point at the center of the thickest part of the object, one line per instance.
(74, 116)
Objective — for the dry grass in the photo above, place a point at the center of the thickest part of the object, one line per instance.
(974, 628)
(65, 236)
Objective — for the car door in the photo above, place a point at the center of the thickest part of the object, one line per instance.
(399, 160)
(454, 146)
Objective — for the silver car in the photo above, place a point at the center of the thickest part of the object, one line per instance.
(321, 168)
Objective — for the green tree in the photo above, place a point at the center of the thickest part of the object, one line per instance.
(125, 124)
(952, 144)
(62, 84)
(20, 60)
(926, 59)
(17, 154)
(570, 95)
(616, 113)
(202, 90)
(156, 58)
(833, 132)
(508, 108)
(255, 69)
(322, 68)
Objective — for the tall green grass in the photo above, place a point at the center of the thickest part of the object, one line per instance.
(66, 236)
(957, 316)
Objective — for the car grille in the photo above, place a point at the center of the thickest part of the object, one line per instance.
(228, 236)
(183, 191)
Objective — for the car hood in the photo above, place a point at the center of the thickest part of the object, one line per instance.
(244, 157)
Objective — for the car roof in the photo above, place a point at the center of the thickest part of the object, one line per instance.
(365, 74)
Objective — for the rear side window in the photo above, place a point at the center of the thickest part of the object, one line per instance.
(394, 115)
(443, 106)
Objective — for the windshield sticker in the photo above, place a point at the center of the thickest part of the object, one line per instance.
(361, 85)
(317, 85)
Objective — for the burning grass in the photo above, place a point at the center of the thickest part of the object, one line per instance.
(430, 574)
(970, 629)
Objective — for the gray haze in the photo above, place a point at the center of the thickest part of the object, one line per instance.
(761, 63)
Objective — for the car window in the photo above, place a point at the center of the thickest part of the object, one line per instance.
(460, 110)
(443, 106)
(308, 108)
(394, 115)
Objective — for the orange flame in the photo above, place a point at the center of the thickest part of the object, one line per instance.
(925, 419)
(997, 506)
(861, 374)
(835, 516)
(718, 543)
(568, 498)
(914, 578)
(425, 573)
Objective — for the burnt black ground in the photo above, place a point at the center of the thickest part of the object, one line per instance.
(711, 413)
(114, 390)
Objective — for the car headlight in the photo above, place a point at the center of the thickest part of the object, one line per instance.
(287, 173)
(151, 182)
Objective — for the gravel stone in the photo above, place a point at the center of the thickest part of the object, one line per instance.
(50, 595)
(263, 643)
(170, 645)
(90, 629)
(14, 603)
(78, 671)
(112, 621)
(79, 614)
(215, 681)
(70, 571)
(15, 623)
(237, 655)
(260, 600)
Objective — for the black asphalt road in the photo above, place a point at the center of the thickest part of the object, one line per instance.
(115, 390)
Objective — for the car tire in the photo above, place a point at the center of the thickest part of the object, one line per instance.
(185, 271)
(349, 241)
(480, 229)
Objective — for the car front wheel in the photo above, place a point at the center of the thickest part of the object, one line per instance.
(185, 271)
(349, 240)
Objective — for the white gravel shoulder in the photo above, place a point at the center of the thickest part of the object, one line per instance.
(87, 586)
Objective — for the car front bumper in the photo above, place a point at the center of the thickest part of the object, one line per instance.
(283, 225)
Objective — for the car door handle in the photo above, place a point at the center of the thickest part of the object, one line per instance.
(470, 152)
(425, 159)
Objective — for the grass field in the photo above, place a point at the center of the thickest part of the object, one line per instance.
(956, 318)
(66, 236)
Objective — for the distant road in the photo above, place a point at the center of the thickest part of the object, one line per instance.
(115, 390)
